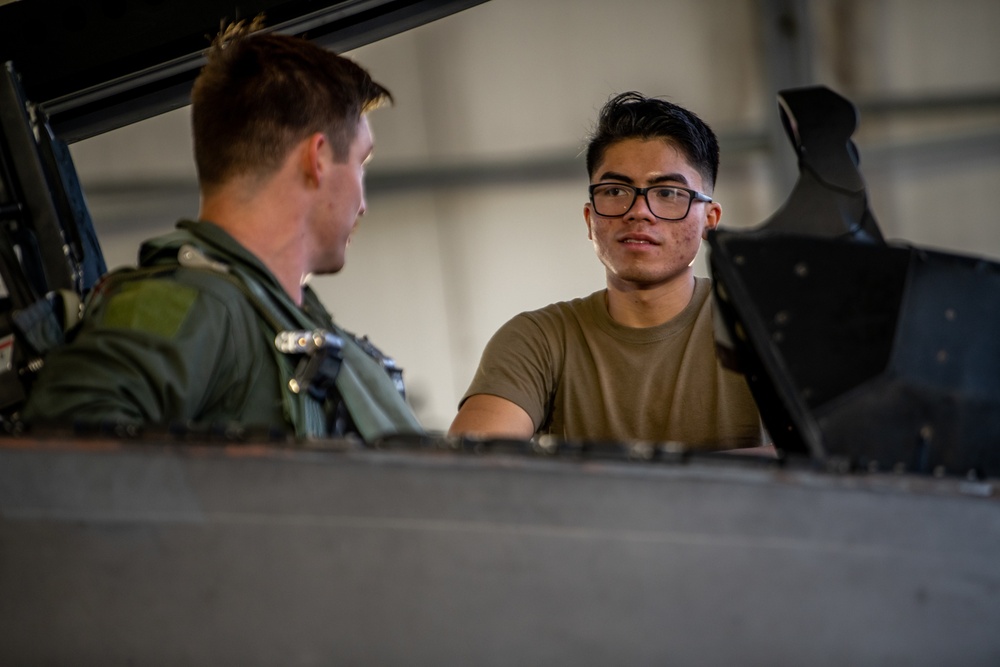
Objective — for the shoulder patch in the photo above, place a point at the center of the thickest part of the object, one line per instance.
(154, 306)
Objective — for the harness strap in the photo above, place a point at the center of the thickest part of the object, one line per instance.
(372, 398)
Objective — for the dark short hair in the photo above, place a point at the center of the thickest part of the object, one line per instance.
(632, 115)
(261, 93)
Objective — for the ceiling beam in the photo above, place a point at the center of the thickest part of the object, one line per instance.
(94, 67)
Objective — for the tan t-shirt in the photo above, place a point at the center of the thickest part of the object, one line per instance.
(582, 376)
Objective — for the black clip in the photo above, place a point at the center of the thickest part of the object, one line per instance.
(322, 356)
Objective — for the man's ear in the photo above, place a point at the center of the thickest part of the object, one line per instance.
(311, 151)
(587, 218)
(713, 214)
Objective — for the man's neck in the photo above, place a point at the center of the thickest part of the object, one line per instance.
(649, 306)
(258, 228)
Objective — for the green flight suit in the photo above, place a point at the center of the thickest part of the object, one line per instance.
(191, 343)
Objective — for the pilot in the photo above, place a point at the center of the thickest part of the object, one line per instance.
(634, 361)
(281, 140)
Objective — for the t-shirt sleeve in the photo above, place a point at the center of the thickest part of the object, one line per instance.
(149, 353)
(518, 364)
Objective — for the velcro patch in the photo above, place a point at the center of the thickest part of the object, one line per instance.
(154, 306)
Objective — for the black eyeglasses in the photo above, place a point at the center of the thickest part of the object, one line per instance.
(666, 202)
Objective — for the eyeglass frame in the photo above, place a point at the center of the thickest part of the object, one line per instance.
(694, 194)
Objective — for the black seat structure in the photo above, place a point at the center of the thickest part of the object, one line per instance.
(859, 352)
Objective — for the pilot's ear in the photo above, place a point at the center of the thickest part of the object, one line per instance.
(310, 152)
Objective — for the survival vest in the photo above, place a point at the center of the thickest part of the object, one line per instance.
(333, 383)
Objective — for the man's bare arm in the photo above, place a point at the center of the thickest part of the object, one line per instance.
(485, 415)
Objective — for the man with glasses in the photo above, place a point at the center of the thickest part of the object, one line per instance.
(635, 361)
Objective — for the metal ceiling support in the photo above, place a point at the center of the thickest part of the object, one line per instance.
(96, 67)
(786, 44)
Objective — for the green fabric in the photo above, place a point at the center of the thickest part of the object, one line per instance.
(207, 357)
(152, 306)
(372, 399)
(201, 375)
